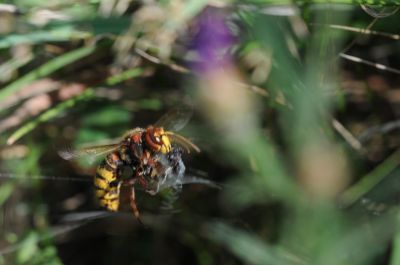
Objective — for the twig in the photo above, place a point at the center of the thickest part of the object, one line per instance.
(255, 89)
(347, 135)
(366, 31)
(369, 63)
(351, 44)
(384, 128)
(185, 70)
(153, 59)
(55, 178)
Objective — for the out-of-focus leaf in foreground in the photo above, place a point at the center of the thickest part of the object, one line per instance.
(250, 248)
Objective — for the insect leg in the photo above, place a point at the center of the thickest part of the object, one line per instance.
(134, 206)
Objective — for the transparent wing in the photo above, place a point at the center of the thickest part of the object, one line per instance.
(133, 131)
(175, 119)
(137, 150)
(197, 176)
(171, 195)
(89, 152)
(199, 180)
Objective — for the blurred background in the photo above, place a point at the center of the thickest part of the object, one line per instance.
(296, 111)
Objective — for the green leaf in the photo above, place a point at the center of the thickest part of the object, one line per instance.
(46, 69)
(39, 36)
(57, 110)
(28, 248)
(107, 116)
(5, 191)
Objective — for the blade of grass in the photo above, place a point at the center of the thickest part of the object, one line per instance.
(355, 193)
(42, 36)
(395, 258)
(46, 69)
(86, 95)
(9, 67)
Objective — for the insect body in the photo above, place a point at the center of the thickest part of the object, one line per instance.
(106, 182)
(153, 154)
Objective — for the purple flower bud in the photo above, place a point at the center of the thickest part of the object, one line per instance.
(212, 42)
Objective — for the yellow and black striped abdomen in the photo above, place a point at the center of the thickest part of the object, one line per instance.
(106, 182)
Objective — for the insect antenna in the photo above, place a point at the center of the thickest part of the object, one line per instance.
(186, 143)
